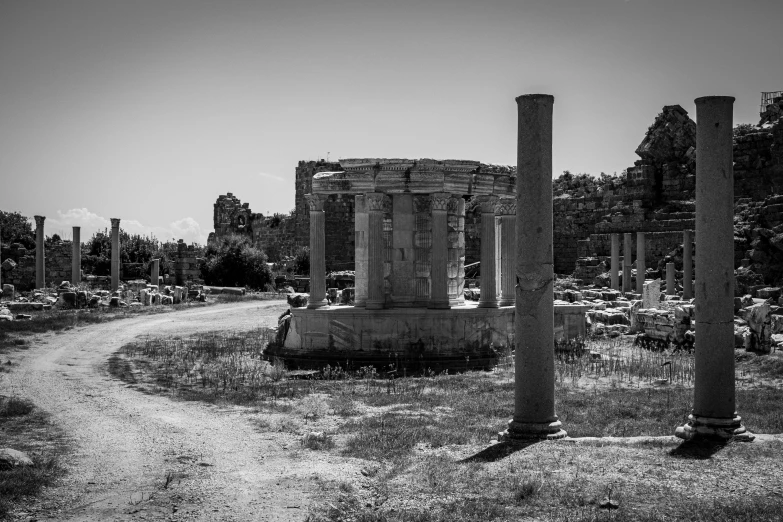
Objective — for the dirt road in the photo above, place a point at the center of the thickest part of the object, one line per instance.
(128, 445)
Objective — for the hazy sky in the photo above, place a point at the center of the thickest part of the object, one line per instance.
(147, 110)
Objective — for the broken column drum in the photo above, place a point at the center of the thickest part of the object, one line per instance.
(615, 262)
(76, 258)
(627, 255)
(714, 404)
(687, 264)
(40, 256)
(641, 267)
(534, 364)
(115, 254)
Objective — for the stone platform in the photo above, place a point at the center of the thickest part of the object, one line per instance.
(410, 339)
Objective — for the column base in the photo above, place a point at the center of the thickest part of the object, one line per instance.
(699, 427)
(488, 304)
(439, 305)
(507, 302)
(526, 431)
(317, 304)
(374, 305)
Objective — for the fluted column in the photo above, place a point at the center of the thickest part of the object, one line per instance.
(506, 210)
(687, 264)
(76, 256)
(641, 266)
(360, 228)
(627, 256)
(317, 251)
(155, 273)
(714, 414)
(534, 362)
(376, 202)
(40, 277)
(115, 254)
(439, 283)
(488, 298)
(615, 262)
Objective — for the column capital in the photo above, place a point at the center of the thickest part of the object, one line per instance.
(440, 201)
(377, 201)
(506, 207)
(39, 220)
(422, 203)
(115, 222)
(487, 203)
(316, 201)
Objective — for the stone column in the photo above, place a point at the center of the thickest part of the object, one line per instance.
(714, 403)
(115, 254)
(155, 273)
(439, 277)
(375, 202)
(687, 264)
(40, 277)
(488, 298)
(403, 276)
(506, 210)
(76, 257)
(360, 240)
(671, 285)
(627, 256)
(615, 263)
(317, 251)
(534, 365)
(1, 262)
(641, 267)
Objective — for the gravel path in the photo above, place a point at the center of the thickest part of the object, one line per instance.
(127, 443)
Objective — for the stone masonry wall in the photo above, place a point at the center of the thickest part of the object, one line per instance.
(57, 265)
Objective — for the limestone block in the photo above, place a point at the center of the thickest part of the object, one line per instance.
(8, 265)
(166, 300)
(651, 294)
(8, 291)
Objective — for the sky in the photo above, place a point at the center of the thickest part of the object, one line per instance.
(147, 110)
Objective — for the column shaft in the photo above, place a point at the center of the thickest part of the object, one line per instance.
(76, 257)
(360, 227)
(671, 284)
(317, 251)
(641, 266)
(155, 273)
(488, 298)
(714, 403)
(375, 249)
(687, 264)
(615, 263)
(534, 366)
(627, 257)
(403, 277)
(439, 277)
(40, 256)
(506, 210)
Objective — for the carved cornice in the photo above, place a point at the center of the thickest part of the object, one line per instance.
(315, 201)
(39, 221)
(377, 201)
(487, 204)
(440, 201)
(506, 207)
(115, 222)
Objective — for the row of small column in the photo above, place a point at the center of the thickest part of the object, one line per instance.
(687, 262)
(369, 282)
(76, 258)
(714, 407)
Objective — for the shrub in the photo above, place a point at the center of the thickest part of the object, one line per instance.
(234, 261)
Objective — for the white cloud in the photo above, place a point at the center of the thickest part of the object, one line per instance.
(186, 228)
(270, 176)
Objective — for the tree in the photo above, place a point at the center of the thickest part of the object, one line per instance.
(15, 228)
(234, 261)
(302, 260)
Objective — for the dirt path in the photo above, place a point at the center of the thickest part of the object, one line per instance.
(126, 443)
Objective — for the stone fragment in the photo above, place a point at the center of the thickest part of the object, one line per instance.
(11, 458)
(8, 265)
(651, 294)
(297, 300)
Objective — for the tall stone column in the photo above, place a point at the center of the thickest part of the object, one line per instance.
(506, 210)
(403, 273)
(155, 273)
(627, 256)
(615, 263)
(375, 202)
(534, 364)
(317, 251)
(40, 277)
(687, 264)
(439, 277)
(360, 227)
(714, 414)
(488, 298)
(115, 254)
(671, 285)
(641, 266)
(76, 257)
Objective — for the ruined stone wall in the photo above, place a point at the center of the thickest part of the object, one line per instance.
(186, 265)
(19, 265)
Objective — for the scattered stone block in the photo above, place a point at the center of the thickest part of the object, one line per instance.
(11, 458)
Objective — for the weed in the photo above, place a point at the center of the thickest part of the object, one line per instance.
(15, 407)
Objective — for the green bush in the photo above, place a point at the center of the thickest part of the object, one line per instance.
(234, 261)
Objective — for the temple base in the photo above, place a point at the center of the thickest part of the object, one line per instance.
(528, 431)
(710, 428)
